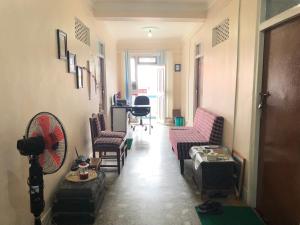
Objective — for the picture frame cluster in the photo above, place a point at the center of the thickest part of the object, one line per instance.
(64, 54)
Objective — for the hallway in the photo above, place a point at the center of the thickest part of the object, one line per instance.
(150, 189)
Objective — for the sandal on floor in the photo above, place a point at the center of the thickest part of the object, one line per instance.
(210, 207)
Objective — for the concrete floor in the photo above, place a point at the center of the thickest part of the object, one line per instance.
(150, 189)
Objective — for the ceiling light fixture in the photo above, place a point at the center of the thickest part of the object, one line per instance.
(149, 31)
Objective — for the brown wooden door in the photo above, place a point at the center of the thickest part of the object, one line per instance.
(279, 160)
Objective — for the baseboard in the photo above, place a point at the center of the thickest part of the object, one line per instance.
(46, 217)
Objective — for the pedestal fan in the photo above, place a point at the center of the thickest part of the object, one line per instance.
(45, 144)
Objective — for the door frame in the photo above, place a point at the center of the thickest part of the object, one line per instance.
(199, 58)
(140, 54)
(103, 84)
(256, 114)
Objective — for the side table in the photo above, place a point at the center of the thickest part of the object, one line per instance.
(213, 176)
(78, 203)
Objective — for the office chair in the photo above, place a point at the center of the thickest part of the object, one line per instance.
(141, 112)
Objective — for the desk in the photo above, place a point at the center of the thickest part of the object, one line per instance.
(119, 116)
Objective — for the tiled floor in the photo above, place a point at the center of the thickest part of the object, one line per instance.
(150, 189)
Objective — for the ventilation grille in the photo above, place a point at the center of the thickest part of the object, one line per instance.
(220, 33)
(82, 32)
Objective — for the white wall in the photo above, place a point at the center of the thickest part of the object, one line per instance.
(228, 74)
(219, 67)
(245, 88)
(34, 80)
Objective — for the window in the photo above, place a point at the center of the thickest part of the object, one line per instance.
(147, 60)
(275, 7)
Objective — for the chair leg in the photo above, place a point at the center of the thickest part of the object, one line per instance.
(123, 159)
(182, 166)
(118, 161)
(94, 154)
(125, 146)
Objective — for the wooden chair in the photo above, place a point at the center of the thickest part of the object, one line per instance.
(103, 132)
(115, 147)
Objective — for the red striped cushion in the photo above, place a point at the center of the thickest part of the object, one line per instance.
(204, 121)
(108, 141)
(107, 133)
(207, 129)
(185, 139)
(96, 124)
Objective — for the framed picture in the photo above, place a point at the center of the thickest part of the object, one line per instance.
(61, 44)
(79, 77)
(177, 67)
(238, 173)
(71, 62)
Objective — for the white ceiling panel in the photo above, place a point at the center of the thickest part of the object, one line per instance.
(155, 1)
(124, 30)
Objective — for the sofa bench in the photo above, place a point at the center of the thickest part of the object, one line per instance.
(207, 129)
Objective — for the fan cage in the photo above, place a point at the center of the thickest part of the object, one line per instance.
(49, 167)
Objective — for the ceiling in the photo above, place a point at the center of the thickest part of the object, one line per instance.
(155, 1)
(125, 19)
(124, 30)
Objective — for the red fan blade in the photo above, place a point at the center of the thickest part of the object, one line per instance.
(58, 133)
(49, 127)
(44, 123)
(55, 157)
(34, 134)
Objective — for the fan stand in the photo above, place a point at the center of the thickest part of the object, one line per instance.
(45, 145)
(36, 189)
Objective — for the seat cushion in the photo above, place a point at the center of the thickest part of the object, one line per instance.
(107, 133)
(204, 121)
(207, 129)
(209, 125)
(108, 141)
(182, 128)
(183, 140)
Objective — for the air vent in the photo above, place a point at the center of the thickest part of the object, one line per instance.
(220, 33)
(82, 32)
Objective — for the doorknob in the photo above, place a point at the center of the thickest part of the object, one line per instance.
(263, 97)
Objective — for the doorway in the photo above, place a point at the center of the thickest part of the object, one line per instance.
(147, 78)
(102, 86)
(278, 196)
(198, 76)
